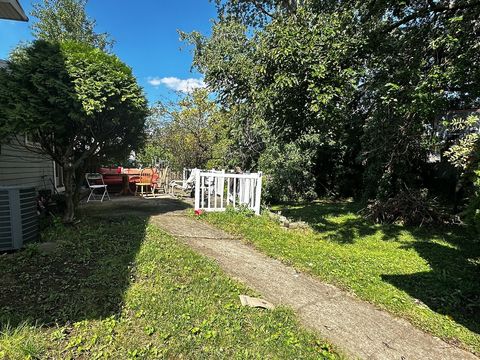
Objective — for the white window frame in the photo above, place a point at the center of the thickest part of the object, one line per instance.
(31, 143)
(56, 179)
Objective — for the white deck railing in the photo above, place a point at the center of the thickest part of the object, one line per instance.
(186, 174)
(215, 190)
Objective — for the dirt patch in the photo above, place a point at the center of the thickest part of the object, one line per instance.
(185, 227)
(136, 206)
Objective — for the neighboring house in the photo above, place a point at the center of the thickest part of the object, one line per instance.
(12, 10)
(21, 161)
(447, 136)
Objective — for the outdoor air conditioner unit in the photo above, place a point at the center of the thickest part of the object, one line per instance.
(18, 217)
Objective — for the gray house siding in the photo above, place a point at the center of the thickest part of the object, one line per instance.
(20, 166)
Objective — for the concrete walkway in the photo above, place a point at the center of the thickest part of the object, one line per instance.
(357, 328)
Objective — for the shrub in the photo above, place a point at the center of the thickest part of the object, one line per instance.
(289, 173)
(408, 207)
(472, 213)
(464, 155)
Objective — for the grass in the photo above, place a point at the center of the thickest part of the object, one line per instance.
(429, 276)
(120, 288)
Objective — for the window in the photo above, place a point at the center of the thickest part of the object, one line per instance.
(30, 142)
(58, 171)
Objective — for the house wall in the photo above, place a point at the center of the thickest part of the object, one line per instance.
(19, 166)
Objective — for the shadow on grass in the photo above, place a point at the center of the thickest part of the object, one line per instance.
(452, 287)
(86, 276)
(340, 220)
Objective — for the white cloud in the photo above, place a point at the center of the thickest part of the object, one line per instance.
(183, 85)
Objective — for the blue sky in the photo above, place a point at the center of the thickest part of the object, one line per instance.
(145, 37)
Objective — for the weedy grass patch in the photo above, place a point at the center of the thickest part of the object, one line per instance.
(121, 288)
(430, 276)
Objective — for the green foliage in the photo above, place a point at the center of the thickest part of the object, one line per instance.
(76, 101)
(289, 172)
(464, 154)
(152, 152)
(61, 20)
(190, 133)
(280, 87)
(153, 149)
(472, 212)
(366, 79)
(21, 342)
(428, 276)
(256, 13)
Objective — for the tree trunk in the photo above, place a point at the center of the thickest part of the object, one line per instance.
(69, 180)
(79, 179)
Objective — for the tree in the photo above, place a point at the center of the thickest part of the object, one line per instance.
(352, 84)
(189, 133)
(76, 101)
(286, 91)
(60, 20)
(154, 149)
(463, 152)
(256, 13)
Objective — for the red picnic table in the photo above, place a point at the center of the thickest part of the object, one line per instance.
(112, 176)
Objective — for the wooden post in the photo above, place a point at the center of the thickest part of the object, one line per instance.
(222, 191)
(240, 193)
(258, 194)
(197, 190)
(209, 192)
(202, 191)
(228, 191)
(234, 191)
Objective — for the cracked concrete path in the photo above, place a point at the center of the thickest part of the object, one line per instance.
(356, 327)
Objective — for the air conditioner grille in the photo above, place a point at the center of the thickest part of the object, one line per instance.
(28, 212)
(5, 226)
(18, 217)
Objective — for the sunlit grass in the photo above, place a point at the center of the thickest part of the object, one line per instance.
(21, 342)
(429, 276)
(120, 288)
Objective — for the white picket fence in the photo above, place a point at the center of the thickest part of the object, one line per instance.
(186, 175)
(216, 190)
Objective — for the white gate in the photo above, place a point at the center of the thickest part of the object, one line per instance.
(215, 190)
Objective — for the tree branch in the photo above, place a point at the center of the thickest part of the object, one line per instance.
(431, 8)
(262, 9)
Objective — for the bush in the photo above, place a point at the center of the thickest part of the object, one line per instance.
(408, 207)
(288, 170)
(472, 213)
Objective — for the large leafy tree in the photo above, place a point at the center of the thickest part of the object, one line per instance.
(191, 132)
(228, 62)
(60, 20)
(353, 85)
(288, 94)
(76, 101)
(422, 62)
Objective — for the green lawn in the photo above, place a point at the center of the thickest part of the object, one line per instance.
(429, 276)
(120, 288)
